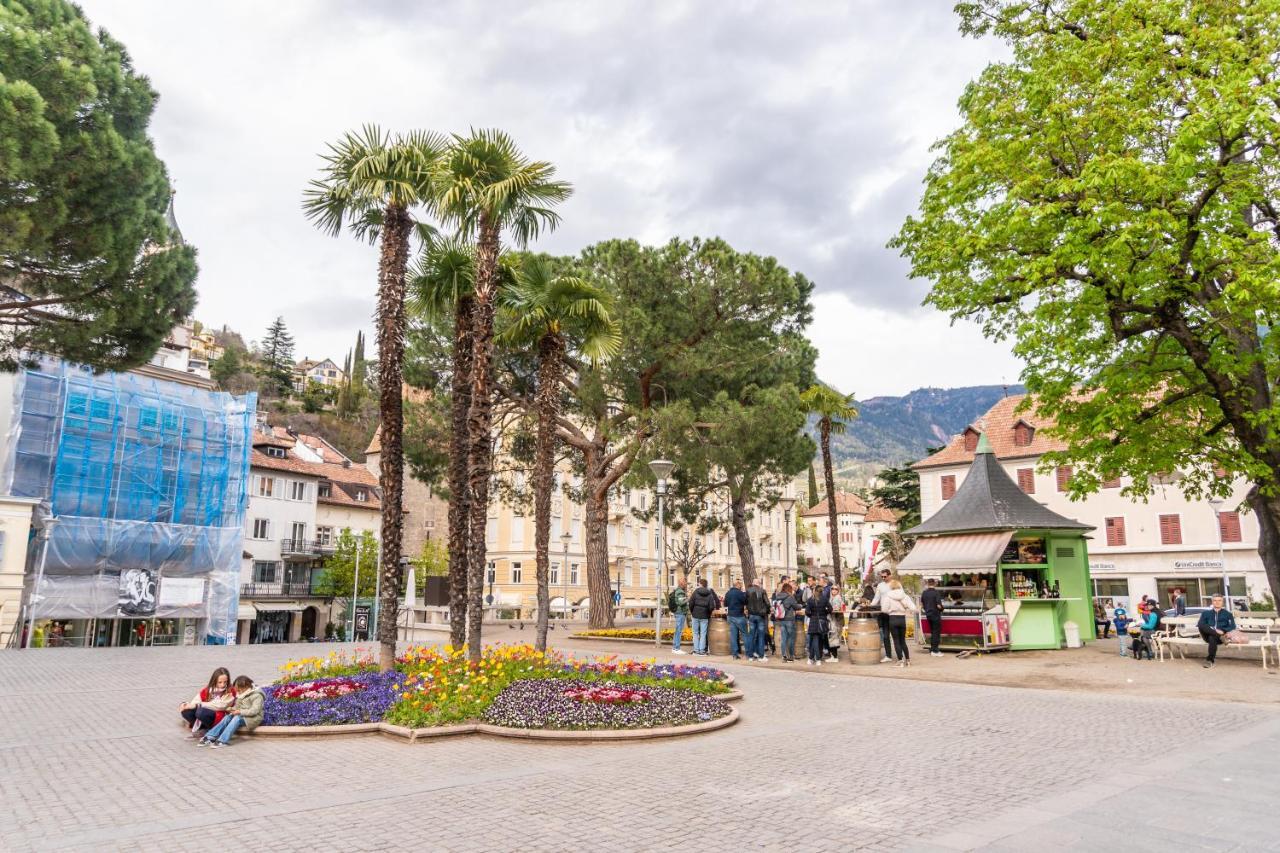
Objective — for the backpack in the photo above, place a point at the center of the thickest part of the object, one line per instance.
(671, 601)
(779, 609)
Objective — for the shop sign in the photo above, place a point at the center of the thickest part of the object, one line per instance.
(136, 596)
(1197, 564)
(181, 592)
(1100, 566)
(362, 621)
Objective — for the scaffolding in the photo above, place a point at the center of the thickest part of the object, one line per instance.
(148, 482)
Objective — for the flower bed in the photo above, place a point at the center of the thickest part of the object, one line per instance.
(635, 634)
(550, 704)
(439, 687)
(373, 695)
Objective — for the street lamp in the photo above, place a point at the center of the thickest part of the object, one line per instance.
(564, 575)
(786, 504)
(46, 525)
(661, 469)
(1216, 503)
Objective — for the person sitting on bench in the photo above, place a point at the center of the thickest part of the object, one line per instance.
(1214, 625)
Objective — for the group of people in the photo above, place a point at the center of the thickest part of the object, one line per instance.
(813, 608)
(1135, 632)
(221, 708)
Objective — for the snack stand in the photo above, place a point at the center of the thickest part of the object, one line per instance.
(1024, 569)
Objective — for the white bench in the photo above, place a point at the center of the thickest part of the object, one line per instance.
(1181, 632)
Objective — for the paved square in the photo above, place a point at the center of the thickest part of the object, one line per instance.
(91, 758)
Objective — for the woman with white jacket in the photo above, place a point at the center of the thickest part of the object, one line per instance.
(897, 605)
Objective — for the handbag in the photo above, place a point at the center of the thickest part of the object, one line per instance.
(1235, 637)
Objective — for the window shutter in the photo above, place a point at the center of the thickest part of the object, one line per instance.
(1064, 477)
(1027, 480)
(1115, 531)
(1229, 523)
(948, 486)
(1170, 530)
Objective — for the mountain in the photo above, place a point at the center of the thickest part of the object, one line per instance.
(897, 430)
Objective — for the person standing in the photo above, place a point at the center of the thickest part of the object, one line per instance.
(836, 599)
(785, 608)
(678, 601)
(931, 604)
(735, 608)
(701, 605)
(1122, 620)
(1214, 625)
(882, 618)
(897, 606)
(818, 611)
(757, 620)
(1179, 602)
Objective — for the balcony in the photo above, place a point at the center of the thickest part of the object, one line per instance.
(305, 549)
(288, 589)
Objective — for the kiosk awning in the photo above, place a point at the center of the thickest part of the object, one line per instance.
(965, 552)
(278, 606)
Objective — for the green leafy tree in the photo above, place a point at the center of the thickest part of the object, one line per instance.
(316, 397)
(485, 188)
(275, 358)
(565, 320)
(91, 268)
(337, 577)
(834, 410)
(231, 363)
(432, 561)
(899, 490)
(373, 183)
(1109, 203)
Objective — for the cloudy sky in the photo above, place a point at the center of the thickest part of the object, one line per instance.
(796, 129)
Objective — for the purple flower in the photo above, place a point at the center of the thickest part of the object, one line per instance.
(542, 704)
(369, 705)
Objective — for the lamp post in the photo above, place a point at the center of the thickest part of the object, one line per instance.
(1216, 503)
(786, 504)
(564, 575)
(661, 469)
(355, 592)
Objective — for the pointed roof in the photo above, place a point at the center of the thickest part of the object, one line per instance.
(989, 500)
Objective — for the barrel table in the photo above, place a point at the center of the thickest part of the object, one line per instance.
(864, 642)
(718, 636)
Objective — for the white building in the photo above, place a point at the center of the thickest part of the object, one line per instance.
(303, 493)
(1138, 548)
(858, 527)
(323, 372)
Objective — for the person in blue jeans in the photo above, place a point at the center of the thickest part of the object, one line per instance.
(702, 604)
(735, 608)
(1121, 617)
(785, 608)
(678, 601)
(246, 713)
(757, 619)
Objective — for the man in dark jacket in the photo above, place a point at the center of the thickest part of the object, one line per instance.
(702, 604)
(931, 604)
(1214, 625)
(758, 620)
(735, 608)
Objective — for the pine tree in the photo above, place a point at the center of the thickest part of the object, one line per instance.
(277, 357)
(359, 371)
(813, 486)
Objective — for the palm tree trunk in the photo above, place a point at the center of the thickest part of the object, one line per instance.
(479, 427)
(738, 518)
(550, 353)
(392, 261)
(830, 480)
(459, 506)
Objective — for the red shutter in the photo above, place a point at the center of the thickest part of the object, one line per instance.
(1229, 524)
(948, 486)
(1027, 480)
(1113, 483)
(1170, 530)
(1064, 477)
(1115, 531)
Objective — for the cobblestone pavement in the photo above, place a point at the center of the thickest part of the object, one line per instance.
(91, 758)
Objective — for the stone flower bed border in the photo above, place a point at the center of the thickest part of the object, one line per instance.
(502, 731)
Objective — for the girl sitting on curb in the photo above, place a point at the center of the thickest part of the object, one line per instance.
(246, 713)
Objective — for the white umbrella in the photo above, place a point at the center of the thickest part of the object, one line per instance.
(411, 590)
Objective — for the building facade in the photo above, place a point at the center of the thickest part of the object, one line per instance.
(303, 493)
(426, 512)
(323, 372)
(1138, 547)
(858, 528)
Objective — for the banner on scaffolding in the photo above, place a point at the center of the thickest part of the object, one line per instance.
(137, 599)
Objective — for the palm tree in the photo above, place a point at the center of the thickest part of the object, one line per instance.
(371, 182)
(442, 283)
(486, 186)
(833, 410)
(562, 317)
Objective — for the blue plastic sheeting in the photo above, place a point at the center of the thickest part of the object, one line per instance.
(140, 474)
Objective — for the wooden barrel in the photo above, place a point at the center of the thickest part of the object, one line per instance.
(718, 636)
(864, 642)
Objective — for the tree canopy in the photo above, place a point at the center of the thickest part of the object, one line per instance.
(90, 269)
(1111, 203)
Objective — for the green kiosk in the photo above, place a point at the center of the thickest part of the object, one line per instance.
(1012, 572)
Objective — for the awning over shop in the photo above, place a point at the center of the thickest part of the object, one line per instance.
(965, 552)
(279, 606)
(246, 611)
